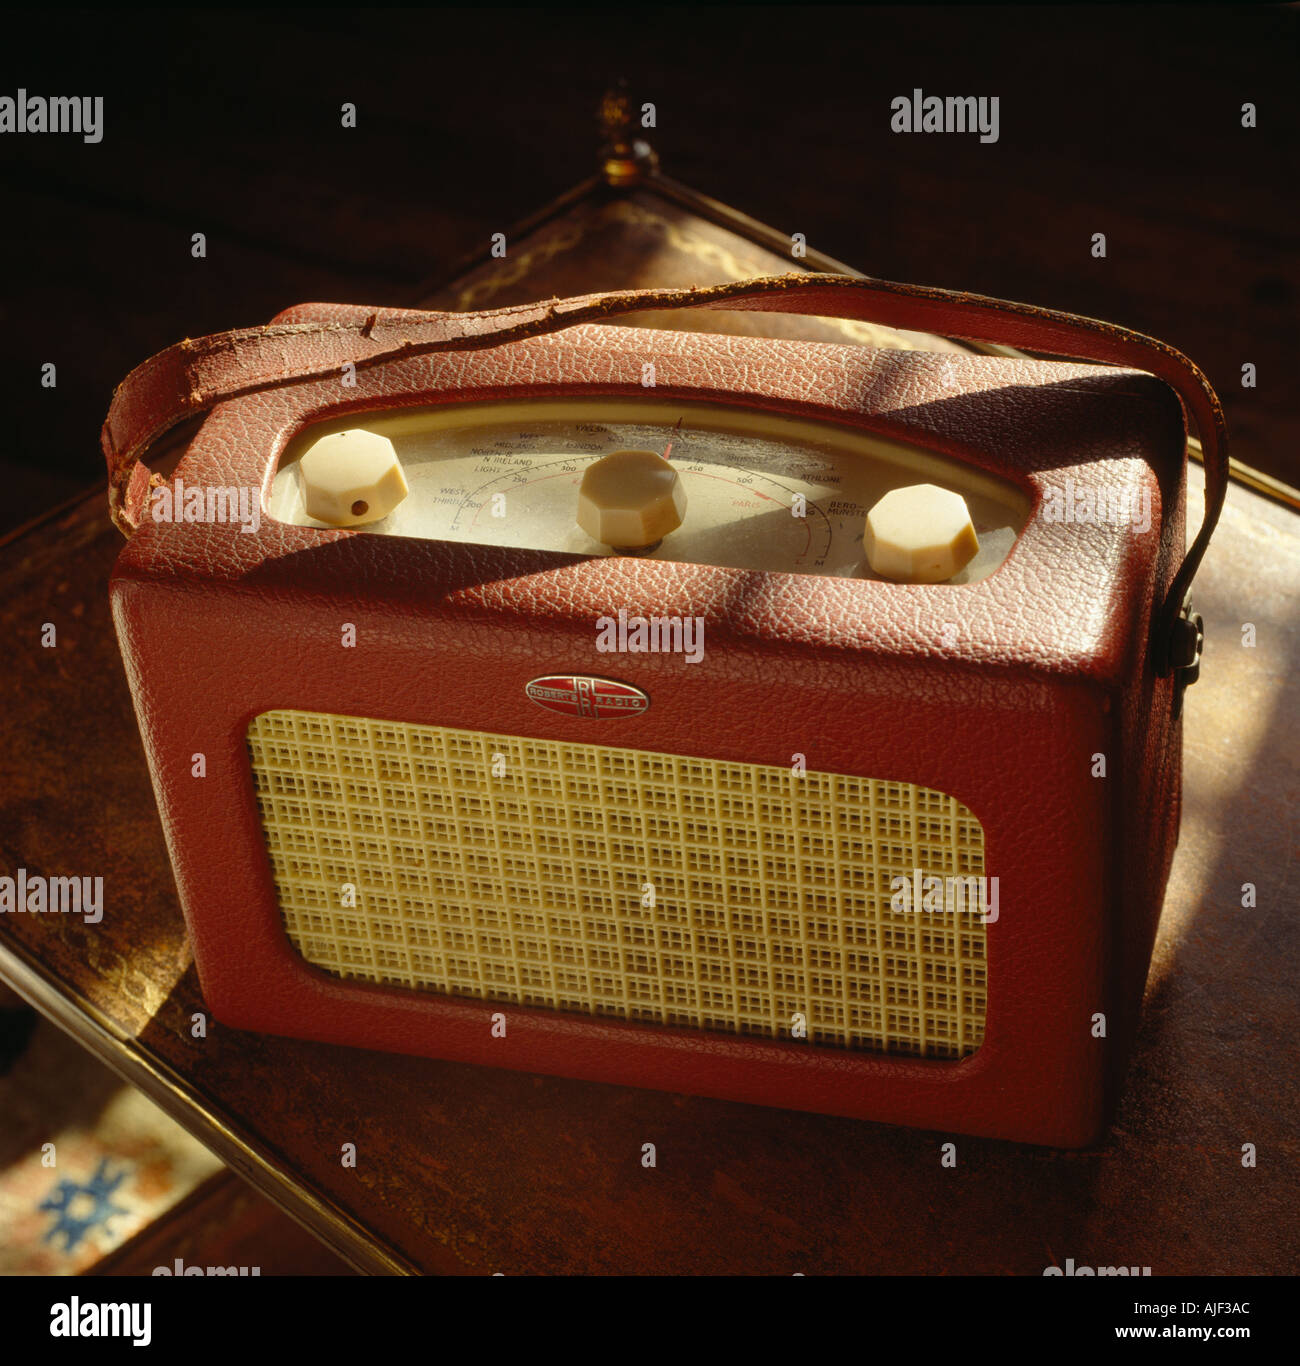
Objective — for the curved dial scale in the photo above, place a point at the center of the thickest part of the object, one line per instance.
(762, 491)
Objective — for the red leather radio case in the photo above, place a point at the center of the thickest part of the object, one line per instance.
(1078, 645)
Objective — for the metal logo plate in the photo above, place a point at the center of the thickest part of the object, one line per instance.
(581, 695)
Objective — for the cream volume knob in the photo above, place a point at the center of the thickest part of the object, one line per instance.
(920, 534)
(351, 478)
(631, 500)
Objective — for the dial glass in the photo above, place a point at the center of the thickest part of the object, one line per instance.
(763, 491)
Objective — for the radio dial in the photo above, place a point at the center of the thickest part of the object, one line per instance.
(631, 500)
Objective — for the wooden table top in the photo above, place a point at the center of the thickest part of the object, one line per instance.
(472, 1170)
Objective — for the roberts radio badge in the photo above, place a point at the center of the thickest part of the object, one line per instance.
(579, 695)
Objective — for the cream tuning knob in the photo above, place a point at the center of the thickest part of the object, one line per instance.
(919, 534)
(631, 500)
(351, 478)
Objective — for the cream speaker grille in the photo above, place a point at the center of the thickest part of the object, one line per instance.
(617, 882)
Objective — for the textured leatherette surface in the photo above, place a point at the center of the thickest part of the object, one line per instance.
(1048, 665)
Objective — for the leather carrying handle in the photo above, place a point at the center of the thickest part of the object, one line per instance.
(190, 378)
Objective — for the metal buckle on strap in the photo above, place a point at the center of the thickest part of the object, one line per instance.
(1185, 646)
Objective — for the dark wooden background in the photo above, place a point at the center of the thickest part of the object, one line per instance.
(1114, 119)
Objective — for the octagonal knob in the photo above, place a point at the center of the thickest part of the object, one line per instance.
(631, 500)
(351, 478)
(920, 534)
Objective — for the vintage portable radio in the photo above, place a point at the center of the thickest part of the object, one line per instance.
(787, 722)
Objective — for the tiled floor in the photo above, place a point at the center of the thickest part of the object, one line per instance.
(94, 1178)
